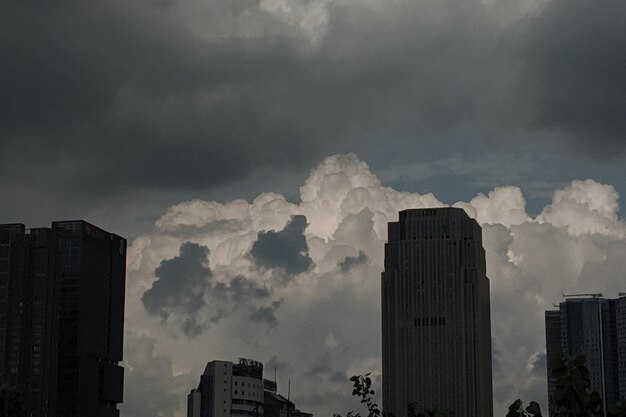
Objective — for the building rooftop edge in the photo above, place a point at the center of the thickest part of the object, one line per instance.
(52, 223)
(446, 208)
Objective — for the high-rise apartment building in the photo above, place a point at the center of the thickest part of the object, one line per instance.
(228, 389)
(62, 318)
(436, 315)
(595, 327)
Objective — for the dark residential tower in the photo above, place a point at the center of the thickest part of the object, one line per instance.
(595, 327)
(62, 318)
(436, 315)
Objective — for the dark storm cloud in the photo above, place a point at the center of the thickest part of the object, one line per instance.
(242, 288)
(266, 314)
(286, 249)
(274, 363)
(100, 92)
(101, 99)
(575, 64)
(339, 377)
(181, 283)
(322, 366)
(186, 290)
(350, 262)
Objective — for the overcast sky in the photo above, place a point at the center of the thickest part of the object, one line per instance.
(217, 133)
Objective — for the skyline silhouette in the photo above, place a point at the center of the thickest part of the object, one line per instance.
(252, 153)
(195, 285)
(575, 241)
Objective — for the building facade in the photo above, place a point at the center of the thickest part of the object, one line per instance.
(276, 405)
(228, 389)
(62, 318)
(436, 329)
(594, 327)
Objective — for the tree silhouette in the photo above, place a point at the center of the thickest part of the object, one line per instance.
(572, 395)
(11, 404)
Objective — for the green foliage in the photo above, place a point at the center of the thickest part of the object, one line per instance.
(573, 382)
(362, 387)
(11, 404)
(572, 395)
(517, 409)
(618, 410)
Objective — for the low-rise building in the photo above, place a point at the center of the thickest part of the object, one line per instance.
(238, 390)
(228, 390)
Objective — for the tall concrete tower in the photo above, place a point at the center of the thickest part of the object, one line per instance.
(436, 315)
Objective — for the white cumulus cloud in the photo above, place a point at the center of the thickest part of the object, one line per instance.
(321, 320)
